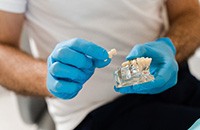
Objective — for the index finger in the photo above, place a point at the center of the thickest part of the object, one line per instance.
(88, 48)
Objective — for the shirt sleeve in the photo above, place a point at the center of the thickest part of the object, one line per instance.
(13, 6)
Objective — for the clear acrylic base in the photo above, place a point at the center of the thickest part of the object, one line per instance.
(132, 74)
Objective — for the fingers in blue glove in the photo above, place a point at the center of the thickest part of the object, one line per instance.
(137, 51)
(63, 71)
(101, 63)
(68, 56)
(88, 48)
(60, 87)
(145, 51)
(153, 50)
(77, 52)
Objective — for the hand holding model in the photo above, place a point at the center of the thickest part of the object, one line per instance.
(163, 67)
(71, 64)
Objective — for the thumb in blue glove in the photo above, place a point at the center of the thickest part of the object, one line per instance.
(71, 64)
(164, 67)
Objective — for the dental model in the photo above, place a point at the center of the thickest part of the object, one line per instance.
(141, 62)
(133, 72)
(112, 53)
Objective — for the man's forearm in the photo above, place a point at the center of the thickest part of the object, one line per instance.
(185, 33)
(22, 73)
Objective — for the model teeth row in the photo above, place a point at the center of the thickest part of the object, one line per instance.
(141, 63)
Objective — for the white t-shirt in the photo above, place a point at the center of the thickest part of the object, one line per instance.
(111, 24)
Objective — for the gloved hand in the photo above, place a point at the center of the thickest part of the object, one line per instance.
(71, 64)
(164, 67)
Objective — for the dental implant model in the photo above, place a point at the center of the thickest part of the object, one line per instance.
(133, 72)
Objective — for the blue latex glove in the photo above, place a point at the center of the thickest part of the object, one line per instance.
(164, 67)
(195, 126)
(71, 64)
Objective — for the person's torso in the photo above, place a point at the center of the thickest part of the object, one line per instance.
(109, 23)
